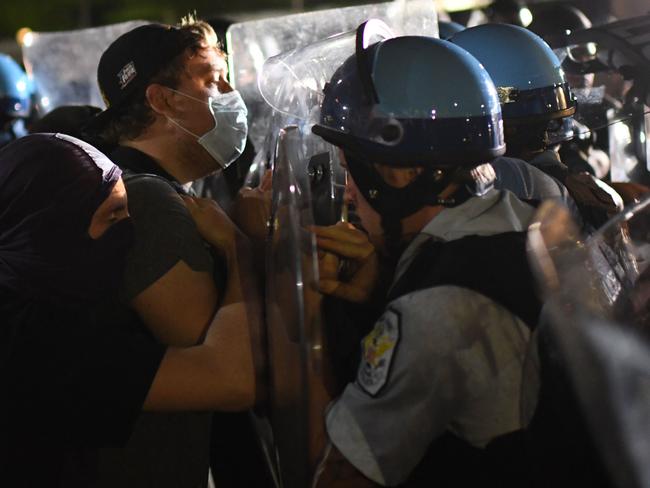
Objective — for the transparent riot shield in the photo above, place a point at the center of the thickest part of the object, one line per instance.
(614, 61)
(253, 42)
(308, 184)
(64, 64)
(299, 379)
(598, 294)
(613, 119)
(291, 84)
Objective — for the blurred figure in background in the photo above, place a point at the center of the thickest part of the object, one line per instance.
(508, 12)
(15, 100)
(534, 93)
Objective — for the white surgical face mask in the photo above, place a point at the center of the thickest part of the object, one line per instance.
(226, 140)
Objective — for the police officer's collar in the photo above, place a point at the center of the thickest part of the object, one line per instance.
(494, 213)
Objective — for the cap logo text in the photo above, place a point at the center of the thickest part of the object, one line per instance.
(126, 75)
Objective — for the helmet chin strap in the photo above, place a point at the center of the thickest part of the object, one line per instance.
(393, 204)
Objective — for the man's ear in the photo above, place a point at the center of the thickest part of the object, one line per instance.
(158, 98)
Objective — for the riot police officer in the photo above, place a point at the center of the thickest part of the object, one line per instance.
(525, 181)
(440, 372)
(554, 22)
(533, 92)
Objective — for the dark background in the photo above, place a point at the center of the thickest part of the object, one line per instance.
(57, 15)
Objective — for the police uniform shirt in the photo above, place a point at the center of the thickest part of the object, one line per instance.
(440, 359)
(528, 182)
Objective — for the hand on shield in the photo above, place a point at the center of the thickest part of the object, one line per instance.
(212, 223)
(252, 209)
(348, 264)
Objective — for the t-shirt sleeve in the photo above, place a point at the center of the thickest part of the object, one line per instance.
(164, 234)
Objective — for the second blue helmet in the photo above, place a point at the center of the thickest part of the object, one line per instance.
(527, 73)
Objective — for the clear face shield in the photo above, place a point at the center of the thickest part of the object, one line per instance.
(252, 43)
(292, 84)
(597, 323)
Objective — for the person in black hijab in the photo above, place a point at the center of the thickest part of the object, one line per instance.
(75, 369)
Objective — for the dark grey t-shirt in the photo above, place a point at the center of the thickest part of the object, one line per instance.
(166, 450)
(164, 234)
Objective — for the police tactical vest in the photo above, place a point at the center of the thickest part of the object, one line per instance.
(497, 267)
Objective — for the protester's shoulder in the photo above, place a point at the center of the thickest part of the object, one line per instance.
(151, 196)
(148, 186)
(164, 234)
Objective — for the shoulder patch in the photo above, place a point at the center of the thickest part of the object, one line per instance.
(378, 351)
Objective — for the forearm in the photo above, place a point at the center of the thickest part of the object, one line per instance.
(223, 372)
(179, 306)
(216, 375)
(242, 293)
(241, 279)
(234, 328)
(240, 309)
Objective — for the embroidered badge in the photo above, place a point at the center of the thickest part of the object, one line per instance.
(378, 351)
(126, 75)
(507, 94)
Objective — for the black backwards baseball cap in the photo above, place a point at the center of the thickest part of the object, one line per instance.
(131, 61)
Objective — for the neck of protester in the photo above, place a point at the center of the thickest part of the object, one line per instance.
(165, 152)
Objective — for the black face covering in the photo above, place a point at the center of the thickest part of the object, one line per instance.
(393, 204)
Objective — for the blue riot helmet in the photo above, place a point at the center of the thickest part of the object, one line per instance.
(527, 73)
(15, 90)
(412, 102)
(448, 29)
(394, 104)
